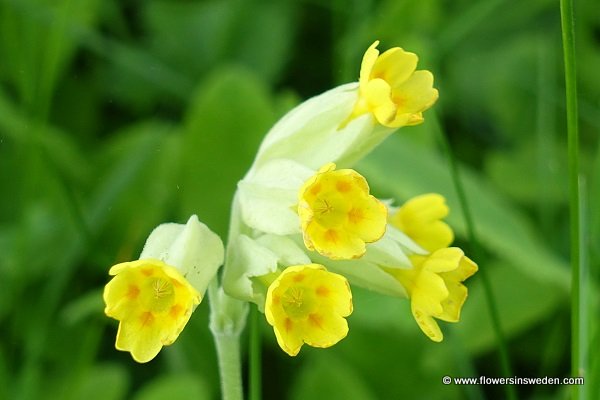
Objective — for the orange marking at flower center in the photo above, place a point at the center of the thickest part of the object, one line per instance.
(132, 292)
(276, 299)
(398, 99)
(316, 188)
(343, 186)
(288, 324)
(331, 235)
(322, 291)
(316, 320)
(355, 215)
(175, 311)
(147, 318)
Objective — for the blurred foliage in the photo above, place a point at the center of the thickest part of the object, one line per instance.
(116, 116)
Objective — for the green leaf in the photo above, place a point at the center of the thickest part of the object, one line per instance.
(83, 307)
(224, 125)
(517, 174)
(104, 382)
(226, 23)
(500, 227)
(47, 28)
(522, 302)
(137, 174)
(175, 387)
(327, 377)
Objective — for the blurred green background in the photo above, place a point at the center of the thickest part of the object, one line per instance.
(116, 116)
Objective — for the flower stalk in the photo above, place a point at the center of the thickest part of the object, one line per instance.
(568, 37)
(227, 321)
(255, 390)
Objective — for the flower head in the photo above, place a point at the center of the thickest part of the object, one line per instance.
(338, 215)
(435, 287)
(153, 303)
(307, 304)
(153, 297)
(391, 89)
(421, 219)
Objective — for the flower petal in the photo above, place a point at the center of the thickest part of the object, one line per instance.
(416, 94)
(430, 290)
(427, 324)
(334, 243)
(368, 61)
(367, 219)
(454, 302)
(444, 260)
(395, 66)
(141, 336)
(324, 328)
(420, 218)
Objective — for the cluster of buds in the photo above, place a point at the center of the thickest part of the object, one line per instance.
(305, 227)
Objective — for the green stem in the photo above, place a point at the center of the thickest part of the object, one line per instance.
(584, 289)
(568, 36)
(255, 355)
(228, 353)
(227, 321)
(478, 255)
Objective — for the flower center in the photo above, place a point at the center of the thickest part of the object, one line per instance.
(160, 294)
(330, 210)
(297, 302)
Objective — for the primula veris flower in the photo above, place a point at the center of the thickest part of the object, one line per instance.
(421, 219)
(435, 287)
(338, 215)
(391, 89)
(308, 304)
(153, 303)
(153, 297)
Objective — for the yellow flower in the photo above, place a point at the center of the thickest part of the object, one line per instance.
(435, 287)
(337, 214)
(391, 89)
(420, 219)
(307, 304)
(153, 303)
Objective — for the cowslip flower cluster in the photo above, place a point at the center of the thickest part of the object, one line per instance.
(305, 226)
(306, 219)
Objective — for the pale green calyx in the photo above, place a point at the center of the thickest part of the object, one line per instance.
(192, 248)
(315, 133)
(251, 261)
(268, 196)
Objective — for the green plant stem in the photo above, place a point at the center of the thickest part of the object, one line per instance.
(255, 355)
(584, 289)
(228, 353)
(568, 36)
(227, 321)
(478, 255)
